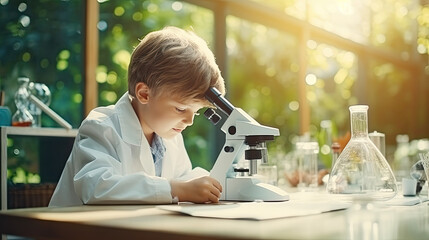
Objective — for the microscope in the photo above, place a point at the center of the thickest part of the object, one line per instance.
(243, 135)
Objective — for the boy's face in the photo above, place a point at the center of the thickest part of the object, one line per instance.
(168, 116)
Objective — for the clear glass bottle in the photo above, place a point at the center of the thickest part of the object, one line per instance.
(361, 172)
(22, 117)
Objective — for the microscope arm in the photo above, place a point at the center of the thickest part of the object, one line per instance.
(231, 149)
(237, 127)
(240, 130)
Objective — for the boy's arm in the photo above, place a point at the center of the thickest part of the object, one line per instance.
(100, 175)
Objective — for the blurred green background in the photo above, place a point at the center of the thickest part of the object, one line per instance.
(44, 40)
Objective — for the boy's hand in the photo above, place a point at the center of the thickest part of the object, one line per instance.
(200, 190)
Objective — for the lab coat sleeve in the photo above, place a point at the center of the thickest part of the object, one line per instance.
(186, 171)
(100, 178)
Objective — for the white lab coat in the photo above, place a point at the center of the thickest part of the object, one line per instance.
(111, 162)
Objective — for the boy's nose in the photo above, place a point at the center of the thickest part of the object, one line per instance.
(189, 118)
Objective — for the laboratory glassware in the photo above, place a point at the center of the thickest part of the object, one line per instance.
(22, 116)
(425, 163)
(336, 150)
(307, 165)
(378, 139)
(417, 172)
(361, 172)
(42, 92)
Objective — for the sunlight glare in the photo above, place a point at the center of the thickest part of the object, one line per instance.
(311, 44)
(25, 21)
(119, 11)
(340, 76)
(270, 71)
(177, 6)
(102, 25)
(152, 8)
(137, 16)
(77, 98)
(311, 79)
(122, 58)
(112, 78)
(327, 52)
(22, 7)
(101, 75)
(421, 49)
(266, 91)
(294, 105)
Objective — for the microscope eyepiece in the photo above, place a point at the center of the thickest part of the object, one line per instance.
(215, 97)
(212, 115)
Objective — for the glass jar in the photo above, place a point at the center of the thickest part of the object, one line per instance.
(361, 172)
(307, 165)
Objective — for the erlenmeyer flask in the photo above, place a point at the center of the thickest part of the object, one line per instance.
(361, 172)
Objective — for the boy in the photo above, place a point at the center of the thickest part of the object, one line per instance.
(133, 152)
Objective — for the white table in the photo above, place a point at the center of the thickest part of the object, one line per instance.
(150, 222)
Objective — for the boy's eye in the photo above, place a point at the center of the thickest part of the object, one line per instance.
(180, 110)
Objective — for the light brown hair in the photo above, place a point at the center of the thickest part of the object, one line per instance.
(175, 62)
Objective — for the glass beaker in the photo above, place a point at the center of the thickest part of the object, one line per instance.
(22, 117)
(268, 173)
(361, 172)
(307, 165)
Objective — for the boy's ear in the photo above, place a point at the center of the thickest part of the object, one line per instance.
(142, 92)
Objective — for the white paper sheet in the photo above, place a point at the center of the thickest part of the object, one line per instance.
(257, 210)
(400, 200)
(300, 204)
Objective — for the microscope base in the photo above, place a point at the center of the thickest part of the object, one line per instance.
(249, 189)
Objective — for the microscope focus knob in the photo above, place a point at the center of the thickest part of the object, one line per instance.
(228, 149)
(252, 154)
(232, 130)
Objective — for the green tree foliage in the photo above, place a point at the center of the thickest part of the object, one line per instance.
(44, 41)
(122, 24)
(39, 40)
(263, 80)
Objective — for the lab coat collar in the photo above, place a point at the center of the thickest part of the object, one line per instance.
(132, 133)
(131, 129)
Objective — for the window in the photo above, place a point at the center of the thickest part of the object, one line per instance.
(290, 64)
(43, 40)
